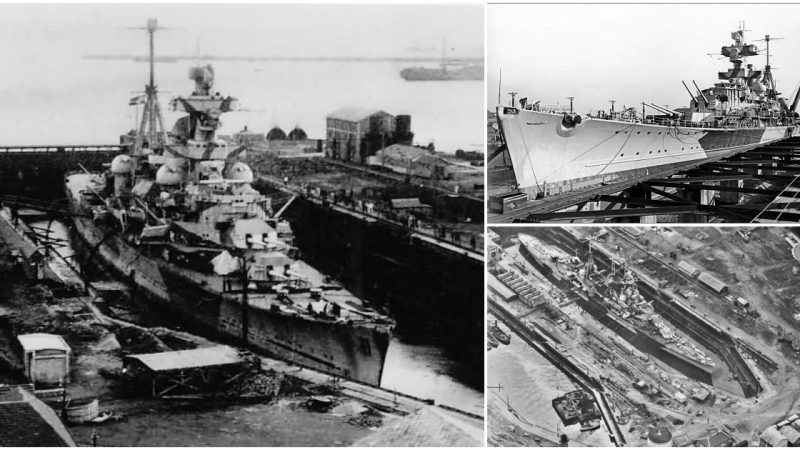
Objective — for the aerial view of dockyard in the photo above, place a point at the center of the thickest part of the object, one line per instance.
(212, 235)
(643, 336)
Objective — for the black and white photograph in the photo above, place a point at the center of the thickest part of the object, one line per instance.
(242, 225)
(643, 113)
(643, 336)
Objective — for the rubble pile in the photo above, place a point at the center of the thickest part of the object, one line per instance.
(135, 340)
(369, 418)
(257, 385)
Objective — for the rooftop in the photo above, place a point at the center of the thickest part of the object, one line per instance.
(42, 341)
(403, 151)
(403, 203)
(25, 421)
(354, 114)
(712, 282)
(189, 359)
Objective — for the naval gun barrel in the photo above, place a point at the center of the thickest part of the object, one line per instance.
(690, 93)
(662, 110)
(705, 100)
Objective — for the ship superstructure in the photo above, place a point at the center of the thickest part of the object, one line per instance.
(557, 151)
(179, 218)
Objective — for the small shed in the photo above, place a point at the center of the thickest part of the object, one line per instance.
(411, 205)
(186, 371)
(46, 358)
(688, 269)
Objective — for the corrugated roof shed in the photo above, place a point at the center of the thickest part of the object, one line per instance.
(25, 421)
(500, 288)
(354, 114)
(712, 282)
(189, 359)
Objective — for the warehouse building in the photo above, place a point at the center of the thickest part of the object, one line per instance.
(716, 285)
(354, 134)
(688, 269)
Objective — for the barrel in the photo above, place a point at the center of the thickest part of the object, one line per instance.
(80, 411)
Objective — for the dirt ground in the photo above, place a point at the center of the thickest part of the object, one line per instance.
(95, 369)
(161, 423)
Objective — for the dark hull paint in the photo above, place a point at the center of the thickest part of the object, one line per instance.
(353, 352)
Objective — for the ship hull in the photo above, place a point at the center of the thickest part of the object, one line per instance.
(339, 348)
(549, 159)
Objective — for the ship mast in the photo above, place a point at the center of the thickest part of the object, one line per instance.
(151, 128)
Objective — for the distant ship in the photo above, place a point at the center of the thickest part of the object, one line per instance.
(555, 151)
(447, 71)
(467, 72)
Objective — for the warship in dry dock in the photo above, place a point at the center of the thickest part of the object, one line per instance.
(178, 219)
(554, 152)
(614, 297)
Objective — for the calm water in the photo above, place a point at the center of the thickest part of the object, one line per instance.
(530, 383)
(64, 98)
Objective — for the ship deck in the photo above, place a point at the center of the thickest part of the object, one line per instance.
(353, 309)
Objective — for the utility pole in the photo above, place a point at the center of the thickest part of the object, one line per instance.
(245, 301)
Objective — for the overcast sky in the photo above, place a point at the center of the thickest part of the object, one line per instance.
(239, 29)
(628, 53)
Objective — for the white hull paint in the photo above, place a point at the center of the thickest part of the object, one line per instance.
(548, 159)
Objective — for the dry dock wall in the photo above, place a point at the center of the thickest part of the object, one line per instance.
(430, 291)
